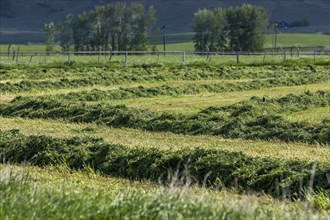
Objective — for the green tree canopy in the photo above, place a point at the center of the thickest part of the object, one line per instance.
(208, 27)
(113, 26)
(245, 25)
(241, 27)
(65, 33)
(49, 37)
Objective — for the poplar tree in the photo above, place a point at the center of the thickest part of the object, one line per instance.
(209, 27)
(235, 28)
(118, 26)
(49, 36)
(65, 33)
(245, 25)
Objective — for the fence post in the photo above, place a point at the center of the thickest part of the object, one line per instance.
(17, 56)
(284, 55)
(126, 58)
(69, 57)
(314, 54)
(237, 56)
(184, 56)
(263, 60)
(8, 51)
(98, 56)
(30, 59)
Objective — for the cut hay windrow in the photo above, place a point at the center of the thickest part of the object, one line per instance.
(210, 167)
(256, 118)
(188, 89)
(39, 78)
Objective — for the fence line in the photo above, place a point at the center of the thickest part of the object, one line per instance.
(108, 55)
(29, 52)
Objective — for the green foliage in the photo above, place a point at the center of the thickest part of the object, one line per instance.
(213, 168)
(113, 27)
(242, 26)
(65, 34)
(253, 119)
(49, 37)
(208, 27)
(245, 26)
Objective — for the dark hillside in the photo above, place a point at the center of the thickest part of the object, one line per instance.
(23, 20)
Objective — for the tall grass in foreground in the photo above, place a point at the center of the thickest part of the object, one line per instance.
(26, 197)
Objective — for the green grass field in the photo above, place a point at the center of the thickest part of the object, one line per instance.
(166, 140)
(283, 40)
(180, 42)
(301, 40)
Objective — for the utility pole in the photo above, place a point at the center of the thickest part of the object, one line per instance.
(164, 40)
(275, 37)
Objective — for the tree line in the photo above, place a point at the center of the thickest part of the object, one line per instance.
(110, 27)
(234, 29)
(123, 27)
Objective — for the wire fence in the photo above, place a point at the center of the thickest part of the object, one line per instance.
(138, 57)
